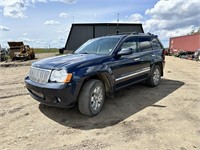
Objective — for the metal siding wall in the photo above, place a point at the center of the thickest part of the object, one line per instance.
(129, 29)
(112, 29)
(101, 30)
(80, 34)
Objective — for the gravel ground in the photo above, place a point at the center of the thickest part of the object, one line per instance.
(166, 117)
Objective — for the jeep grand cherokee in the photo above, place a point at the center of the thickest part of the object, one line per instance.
(95, 70)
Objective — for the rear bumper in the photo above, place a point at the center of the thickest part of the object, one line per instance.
(53, 94)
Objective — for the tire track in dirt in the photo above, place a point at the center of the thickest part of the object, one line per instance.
(14, 65)
(6, 83)
(14, 95)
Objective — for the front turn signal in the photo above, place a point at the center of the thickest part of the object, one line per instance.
(68, 78)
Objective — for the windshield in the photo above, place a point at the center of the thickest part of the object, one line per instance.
(102, 46)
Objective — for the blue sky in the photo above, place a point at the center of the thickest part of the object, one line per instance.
(44, 23)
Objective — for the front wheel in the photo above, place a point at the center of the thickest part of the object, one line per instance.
(91, 98)
(155, 77)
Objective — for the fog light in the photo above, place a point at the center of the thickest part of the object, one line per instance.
(58, 100)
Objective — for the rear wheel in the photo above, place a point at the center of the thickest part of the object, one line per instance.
(155, 77)
(91, 98)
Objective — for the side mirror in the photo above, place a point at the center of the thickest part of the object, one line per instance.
(125, 51)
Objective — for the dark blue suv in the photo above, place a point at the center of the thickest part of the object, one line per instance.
(95, 70)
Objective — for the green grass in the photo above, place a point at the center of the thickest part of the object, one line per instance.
(45, 50)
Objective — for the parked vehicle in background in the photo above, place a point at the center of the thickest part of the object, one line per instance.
(95, 70)
(197, 55)
(20, 51)
(167, 52)
(3, 54)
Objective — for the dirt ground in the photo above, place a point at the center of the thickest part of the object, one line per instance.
(163, 118)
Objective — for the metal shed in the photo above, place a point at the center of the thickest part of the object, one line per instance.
(80, 33)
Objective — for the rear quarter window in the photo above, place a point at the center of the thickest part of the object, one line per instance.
(156, 44)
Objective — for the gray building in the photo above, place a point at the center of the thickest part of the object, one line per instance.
(80, 33)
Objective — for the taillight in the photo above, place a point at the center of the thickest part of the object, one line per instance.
(163, 54)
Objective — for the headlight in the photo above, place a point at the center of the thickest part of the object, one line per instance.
(60, 76)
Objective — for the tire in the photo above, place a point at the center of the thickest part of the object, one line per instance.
(33, 56)
(29, 57)
(91, 97)
(155, 77)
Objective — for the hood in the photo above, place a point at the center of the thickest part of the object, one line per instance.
(59, 62)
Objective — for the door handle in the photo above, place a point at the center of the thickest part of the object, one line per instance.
(136, 59)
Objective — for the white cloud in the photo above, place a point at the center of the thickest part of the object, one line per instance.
(3, 28)
(136, 18)
(170, 15)
(14, 8)
(170, 18)
(51, 22)
(64, 31)
(42, 1)
(28, 40)
(64, 1)
(63, 15)
(62, 39)
(25, 34)
(17, 8)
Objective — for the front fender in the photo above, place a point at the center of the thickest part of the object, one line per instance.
(101, 72)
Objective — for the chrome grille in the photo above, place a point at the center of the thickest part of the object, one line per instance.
(39, 75)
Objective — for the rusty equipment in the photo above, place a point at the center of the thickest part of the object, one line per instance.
(20, 51)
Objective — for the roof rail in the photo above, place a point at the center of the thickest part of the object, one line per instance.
(134, 33)
(127, 33)
(152, 34)
(121, 33)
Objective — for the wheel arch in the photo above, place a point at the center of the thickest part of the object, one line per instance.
(109, 89)
(160, 65)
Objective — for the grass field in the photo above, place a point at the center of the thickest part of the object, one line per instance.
(46, 50)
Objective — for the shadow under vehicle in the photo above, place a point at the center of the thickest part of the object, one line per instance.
(127, 102)
(19, 51)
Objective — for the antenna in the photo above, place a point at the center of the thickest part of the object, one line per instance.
(73, 19)
(118, 18)
(117, 23)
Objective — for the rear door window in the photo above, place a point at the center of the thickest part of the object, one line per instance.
(144, 44)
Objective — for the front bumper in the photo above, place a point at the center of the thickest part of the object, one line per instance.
(53, 94)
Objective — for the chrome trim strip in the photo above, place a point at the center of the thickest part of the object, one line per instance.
(133, 74)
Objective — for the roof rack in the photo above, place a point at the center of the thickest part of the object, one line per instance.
(132, 33)
(126, 33)
(152, 34)
(121, 33)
